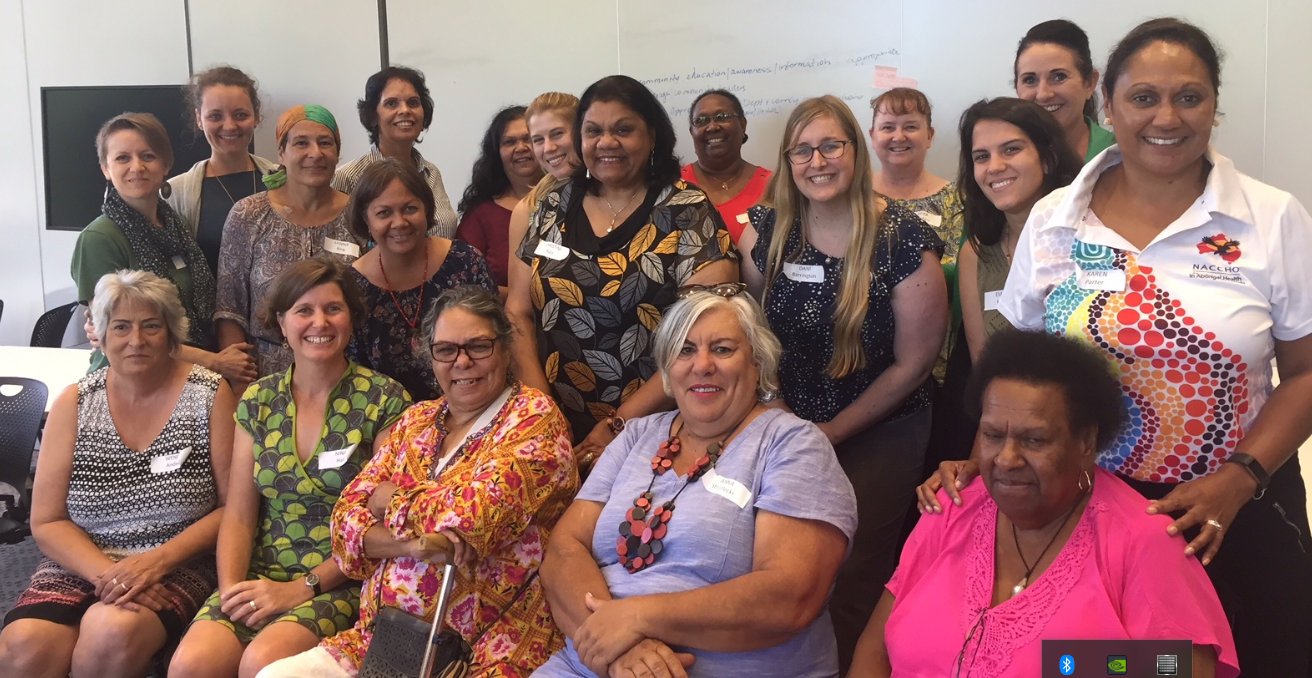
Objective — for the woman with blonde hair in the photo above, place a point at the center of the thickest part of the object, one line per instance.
(550, 129)
(852, 286)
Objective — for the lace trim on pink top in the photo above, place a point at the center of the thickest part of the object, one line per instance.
(1019, 621)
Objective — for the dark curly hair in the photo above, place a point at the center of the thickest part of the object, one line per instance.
(664, 167)
(1085, 377)
(984, 222)
(373, 95)
(1061, 33)
(729, 96)
(489, 180)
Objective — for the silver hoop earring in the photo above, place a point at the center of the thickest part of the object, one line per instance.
(1086, 481)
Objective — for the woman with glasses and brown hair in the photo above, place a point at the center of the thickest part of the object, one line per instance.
(404, 273)
(606, 253)
(733, 518)
(1048, 545)
(853, 287)
(488, 466)
(719, 130)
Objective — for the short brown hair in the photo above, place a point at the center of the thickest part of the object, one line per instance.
(145, 124)
(301, 277)
(195, 88)
(375, 179)
(903, 100)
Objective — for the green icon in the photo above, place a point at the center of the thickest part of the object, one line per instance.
(1116, 664)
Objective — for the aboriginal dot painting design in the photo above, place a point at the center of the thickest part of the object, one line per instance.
(1186, 392)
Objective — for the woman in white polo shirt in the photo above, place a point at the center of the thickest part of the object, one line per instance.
(1192, 278)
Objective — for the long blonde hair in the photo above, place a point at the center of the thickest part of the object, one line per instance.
(867, 229)
(567, 106)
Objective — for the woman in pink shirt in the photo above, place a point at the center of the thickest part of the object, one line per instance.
(1048, 545)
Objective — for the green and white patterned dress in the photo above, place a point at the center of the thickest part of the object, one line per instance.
(297, 498)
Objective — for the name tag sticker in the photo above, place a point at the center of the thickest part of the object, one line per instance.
(166, 463)
(728, 488)
(742, 218)
(992, 299)
(341, 247)
(336, 458)
(551, 250)
(934, 220)
(1106, 280)
(179, 262)
(804, 273)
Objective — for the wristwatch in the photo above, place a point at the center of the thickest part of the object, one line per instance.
(312, 581)
(615, 423)
(1254, 467)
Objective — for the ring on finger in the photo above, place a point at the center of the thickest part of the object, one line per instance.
(123, 586)
(1217, 524)
(252, 604)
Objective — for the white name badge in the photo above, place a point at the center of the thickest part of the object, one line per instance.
(1112, 280)
(992, 299)
(166, 463)
(742, 218)
(551, 250)
(348, 249)
(804, 273)
(934, 220)
(728, 488)
(336, 458)
(179, 262)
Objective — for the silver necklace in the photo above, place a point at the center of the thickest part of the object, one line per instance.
(614, 213)
(254, 188)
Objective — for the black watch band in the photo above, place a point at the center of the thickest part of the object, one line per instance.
(1254, 467)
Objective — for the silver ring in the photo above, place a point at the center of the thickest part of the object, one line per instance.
(124, 586)
(252, 604)
(1217, 524)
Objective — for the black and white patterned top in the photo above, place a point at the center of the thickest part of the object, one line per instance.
(802, 314)
(114, 495)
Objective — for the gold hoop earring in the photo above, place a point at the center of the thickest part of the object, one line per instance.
(1086, 481)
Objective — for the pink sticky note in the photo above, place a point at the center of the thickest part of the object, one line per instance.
(886, 77)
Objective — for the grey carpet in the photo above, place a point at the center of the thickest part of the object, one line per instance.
(17, 563)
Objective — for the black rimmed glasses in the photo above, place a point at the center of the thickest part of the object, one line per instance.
(801, 154)
(723, 118)
(725, 290)
(447, 352)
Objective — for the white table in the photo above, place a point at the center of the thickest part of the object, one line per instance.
(55, 367)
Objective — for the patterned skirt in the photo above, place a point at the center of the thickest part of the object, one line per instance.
(62, 597)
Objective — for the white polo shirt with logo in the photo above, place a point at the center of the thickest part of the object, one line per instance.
(1190, 321)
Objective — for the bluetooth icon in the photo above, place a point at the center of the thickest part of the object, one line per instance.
(1067, 665)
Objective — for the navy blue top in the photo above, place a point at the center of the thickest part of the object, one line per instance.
(802, 314)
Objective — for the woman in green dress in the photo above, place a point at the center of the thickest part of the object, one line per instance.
(280, 591)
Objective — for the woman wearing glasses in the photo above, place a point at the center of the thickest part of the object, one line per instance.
(721, 505)
(1049, 545)
(606, 253)
(719, 130)
(853, 287)
(404, 273)
(488, 466)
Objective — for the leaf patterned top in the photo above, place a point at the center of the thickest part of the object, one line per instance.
(598, 305)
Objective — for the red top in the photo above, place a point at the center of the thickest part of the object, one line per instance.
(735, 210)
(487, 228)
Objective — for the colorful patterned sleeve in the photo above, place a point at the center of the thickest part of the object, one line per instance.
(703, 237)
(351, 518)
(493, 502)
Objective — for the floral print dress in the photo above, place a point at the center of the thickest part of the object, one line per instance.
(296, 497)
(598, 301)
(386, 342)
(503, 491)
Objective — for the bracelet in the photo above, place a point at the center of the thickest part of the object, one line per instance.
(1254, 468)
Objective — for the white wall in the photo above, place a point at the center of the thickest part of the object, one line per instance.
(20, 258)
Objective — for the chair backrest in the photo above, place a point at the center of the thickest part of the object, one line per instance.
(51, 326)
(20, 421)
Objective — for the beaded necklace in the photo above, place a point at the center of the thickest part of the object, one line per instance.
(419, 308)
(643, 531)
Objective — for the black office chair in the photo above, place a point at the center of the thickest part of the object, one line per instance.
(20, 421)
(52, 325)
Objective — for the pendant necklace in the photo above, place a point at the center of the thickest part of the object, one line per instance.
(614, 213)
(419, 308)
(254, 188)
(724, 185)
(643, 531)
(1029, 569)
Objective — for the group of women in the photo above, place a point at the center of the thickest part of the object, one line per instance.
(806, 334)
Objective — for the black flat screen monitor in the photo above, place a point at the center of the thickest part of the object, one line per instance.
(70, 118)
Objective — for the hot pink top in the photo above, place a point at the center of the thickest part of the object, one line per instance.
(734, 211)
(1120, 576)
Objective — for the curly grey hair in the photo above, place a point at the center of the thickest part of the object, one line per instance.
(143, 287)
(679, 319)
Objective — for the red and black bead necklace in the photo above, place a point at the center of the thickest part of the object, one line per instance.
(643, 531)
(419, 307)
